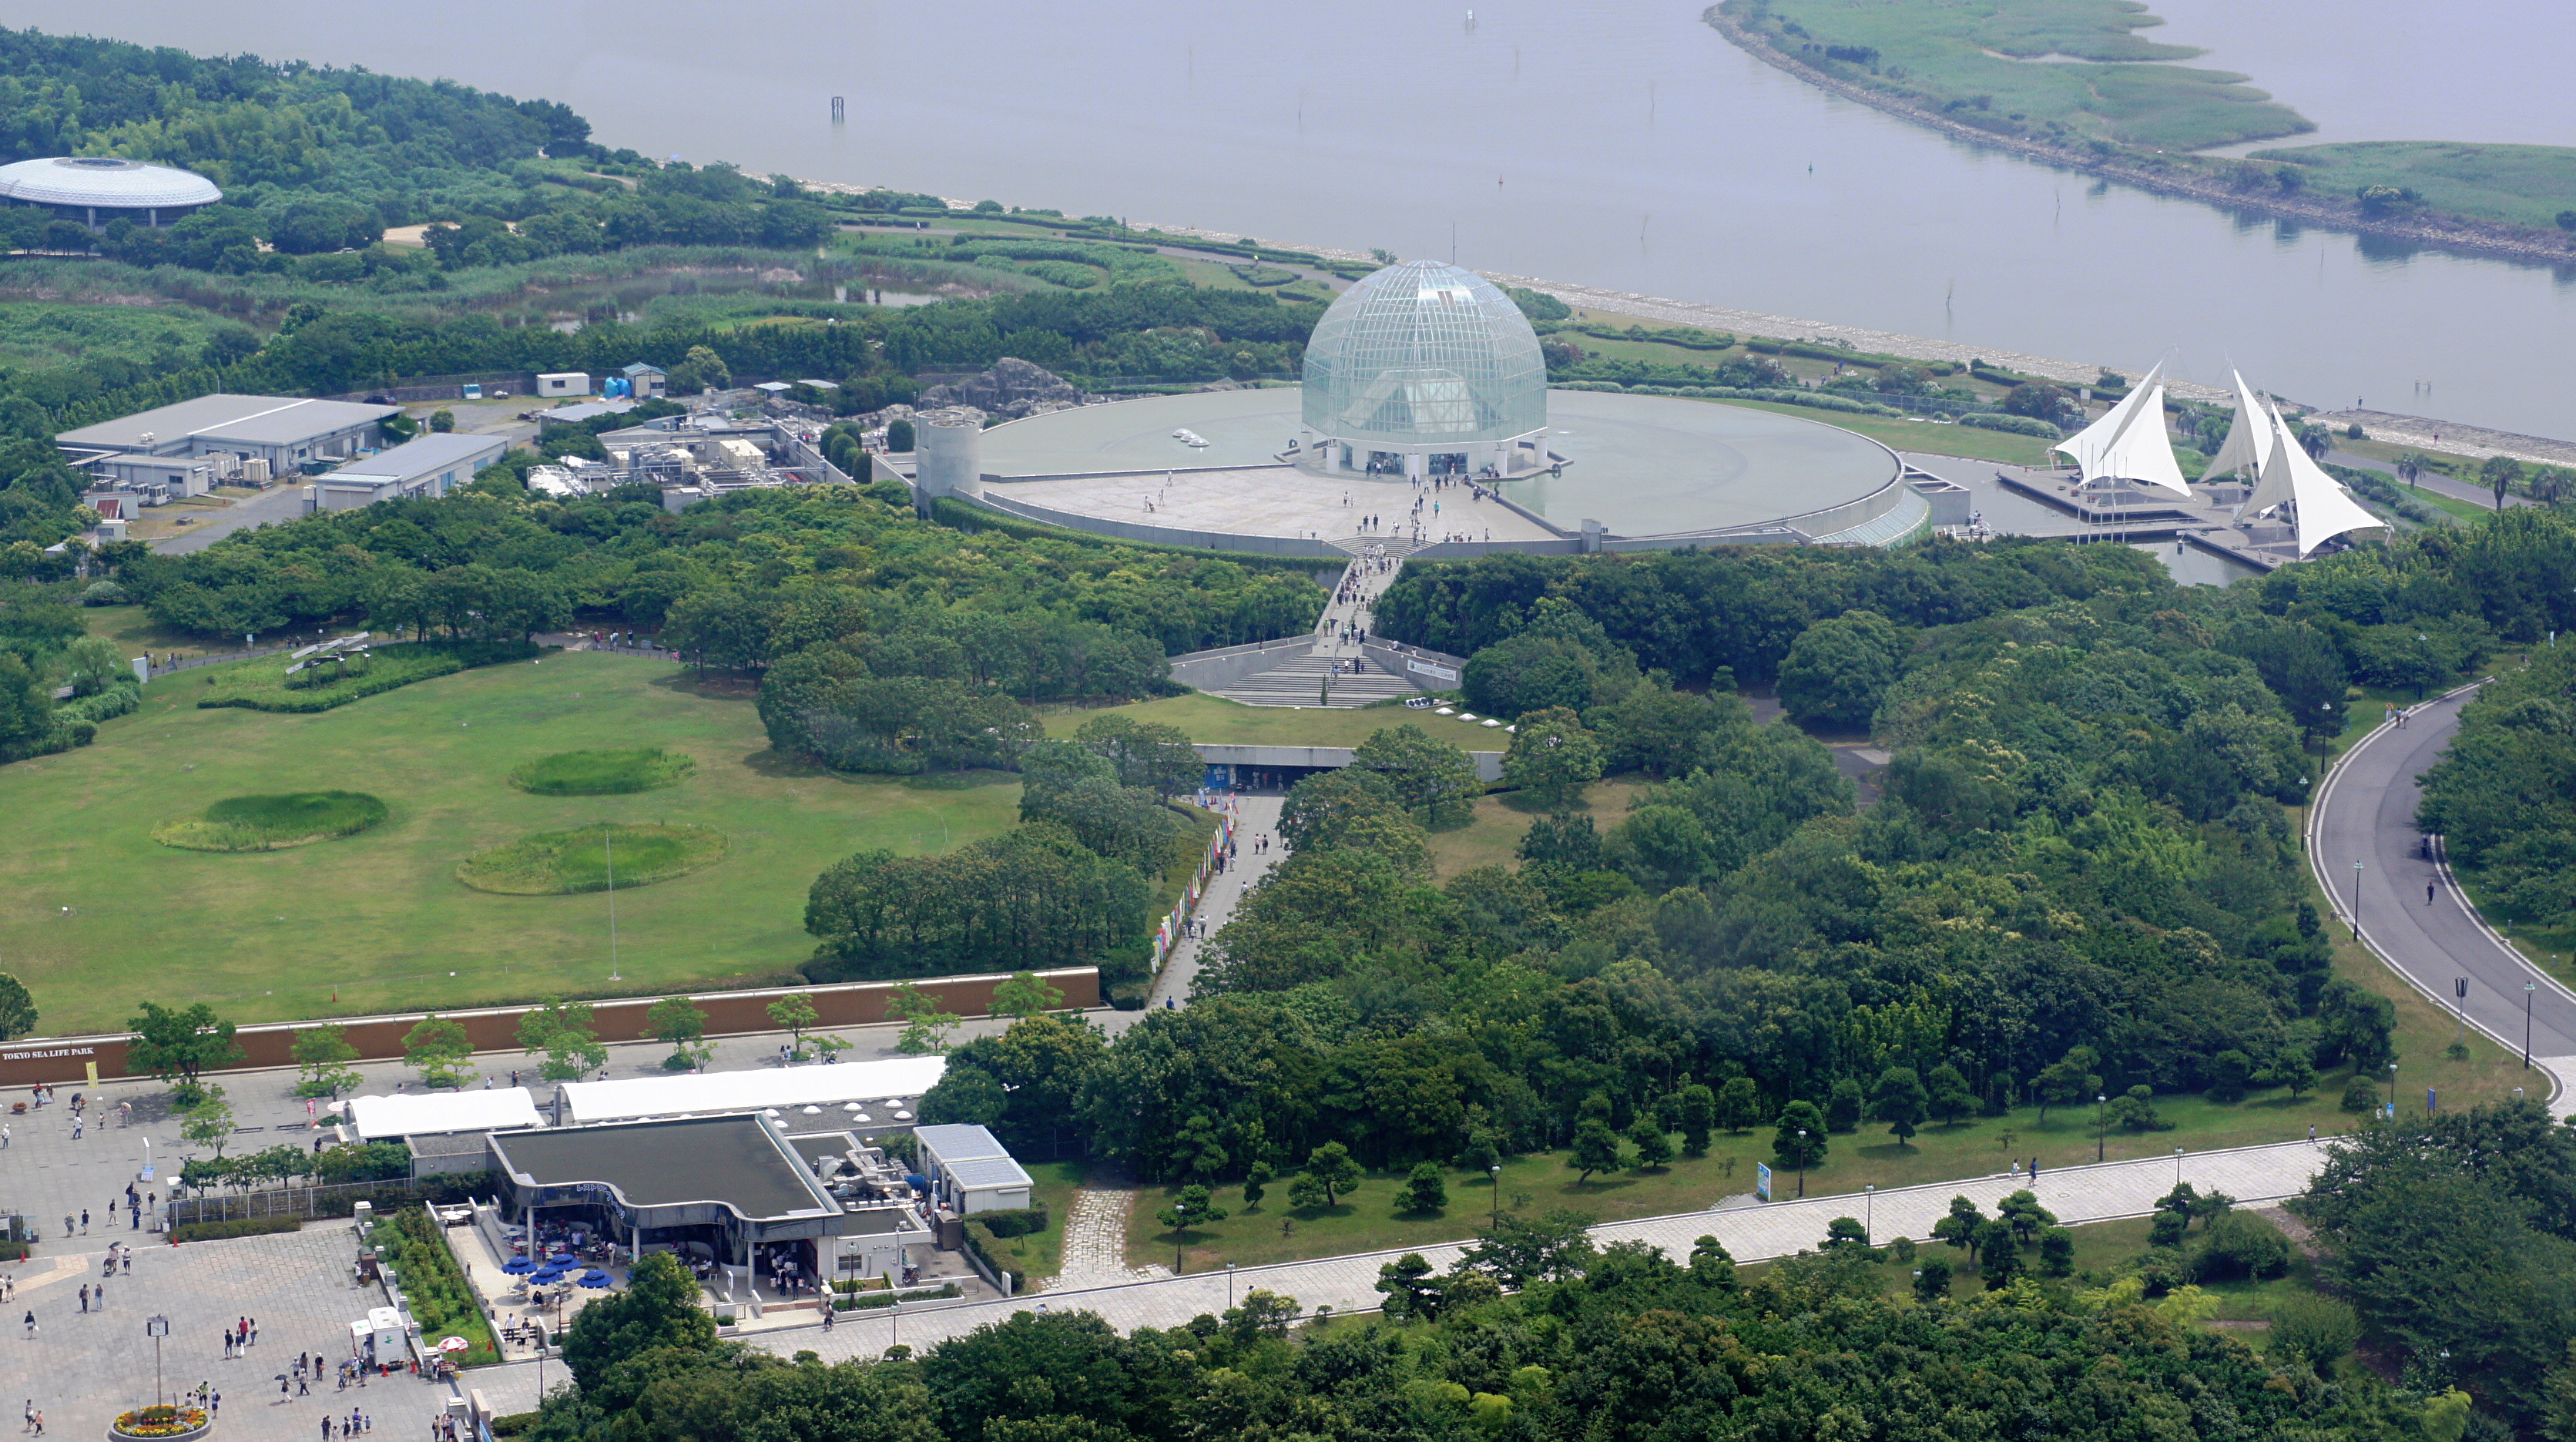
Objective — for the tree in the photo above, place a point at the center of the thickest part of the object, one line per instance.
(1949, 1099)
(1412, 1293)
(177, 1045)
(1328, 1173)
(562, 1032)
(17, 1009)
(925, 1026)
(1843, 1105)
(1424, 1191)
(1552, 755)
(682, 1023)
(2022, 1212)
(1739, 1105)
(898, 439)
(207, 1120)
(1960, 1227)
(965, 1096)
(1195, 1207)
(701, 370)
(26, 703)
(440, 1048)
(1847, 1234)
(2295, 1069)
(1901, 1102)
(1838, 670)
(2500, 473)
(323, 1054)
(1434, 778)
(1932, 1279)
(2229, 1073)
(657, 1309)
(1699, 1114)
(2057, 1252)
(1596, 1149)
(1520, 1250)
(1161, 759)
(1256, 1183)
(1800, 1140)
(2071, 1079)
(442, 420)
(1654, 1144)
(2042, 401)
(2318, 1330)
(94, 663)
(1998, 1258)
(796, 1014)
(1024, 996)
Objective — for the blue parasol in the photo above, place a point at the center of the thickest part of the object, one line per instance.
(595, 1278)
(518, 1266)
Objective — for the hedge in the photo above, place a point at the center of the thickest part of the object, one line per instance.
(246, 1227)
(1014, 1221)
(961, 516)
(984, 1243)
(870, 1301)
(2017, 425)
(117, 700)
(260, 684)
(1815, 400)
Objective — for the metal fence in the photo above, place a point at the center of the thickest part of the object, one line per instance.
(337, 1199)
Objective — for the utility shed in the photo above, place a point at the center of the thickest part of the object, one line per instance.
(970, 1171)
(425, 469)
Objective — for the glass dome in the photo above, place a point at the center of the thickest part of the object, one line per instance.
(1423, 354)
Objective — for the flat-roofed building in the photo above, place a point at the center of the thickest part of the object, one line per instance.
(970, 1171)
(281, 430)
(426, 468)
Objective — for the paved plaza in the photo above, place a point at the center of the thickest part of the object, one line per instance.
(84, 1368)
(1280, 501)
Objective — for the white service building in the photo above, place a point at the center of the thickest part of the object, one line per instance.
(862, 1096)
(563, 383)
(970, 1171)
(283, 431)
(426, 468)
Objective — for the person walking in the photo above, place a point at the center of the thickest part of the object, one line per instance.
(84, 1298)
(31, 1324)
(84, 1221)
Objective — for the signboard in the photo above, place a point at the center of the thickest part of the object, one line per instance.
(1762, 1181)
(1436, 673)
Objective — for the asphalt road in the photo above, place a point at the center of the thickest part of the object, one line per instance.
(283, 503)
(2366, 813)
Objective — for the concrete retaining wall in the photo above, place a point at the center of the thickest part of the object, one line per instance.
(1489, 764)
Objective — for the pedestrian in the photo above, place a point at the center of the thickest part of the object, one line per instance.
(40, 1421)
(2034, 1169)
(215, 1405)
(84, 1210)
(254, 1331)
(4, 1137)
(84, 1298)
(326, 1429)
(300, 1389)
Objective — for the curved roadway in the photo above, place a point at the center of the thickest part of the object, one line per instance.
(2365, 812)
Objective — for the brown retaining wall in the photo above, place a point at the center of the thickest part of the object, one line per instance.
(496, 1029)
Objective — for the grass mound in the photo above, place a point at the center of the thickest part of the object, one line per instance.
(602, 773)
(560, 863)
(270, 823)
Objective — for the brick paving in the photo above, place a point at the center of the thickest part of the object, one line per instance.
(1258, 816)
(1095, 1245)
(83, 1369)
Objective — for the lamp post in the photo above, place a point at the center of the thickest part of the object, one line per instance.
(2392, 1091)
(2101, 1122)
(1869, 1213)
(1229, 1286)
(2356, 899)
(1496, 1172)
(156, 1328)
(1802, 1162)
(2177, 1169)
(2527, 989)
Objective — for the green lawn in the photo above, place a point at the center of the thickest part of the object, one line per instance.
(1492, 836)
(378, 919)
(1972, 442)
(1215, 719)
(2517, 184)
(1041, 1254)
(2004, 67)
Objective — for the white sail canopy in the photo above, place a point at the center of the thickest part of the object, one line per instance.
(2129, 443)
(2249, 435)
(2321, 508)
(2272, 482)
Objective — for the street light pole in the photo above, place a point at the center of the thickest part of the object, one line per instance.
(1869, 1213)
(1496, 1172)
(2356, 899)
(2101, 1122)
(2177, 1169)
(2527, 989)
(2392, 1091)
(1802, 1162)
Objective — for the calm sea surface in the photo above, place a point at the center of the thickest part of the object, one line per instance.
(1616, 144)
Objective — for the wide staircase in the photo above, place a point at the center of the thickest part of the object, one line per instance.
(1321, 676)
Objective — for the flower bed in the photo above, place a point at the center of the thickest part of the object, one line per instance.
(162, 1424)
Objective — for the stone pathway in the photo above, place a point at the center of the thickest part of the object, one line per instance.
(1095, 1245)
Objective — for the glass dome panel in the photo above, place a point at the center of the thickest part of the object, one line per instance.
(1424, 354)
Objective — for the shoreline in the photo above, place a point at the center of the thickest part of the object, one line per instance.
(2486, 240)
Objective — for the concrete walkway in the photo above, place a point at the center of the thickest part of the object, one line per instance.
(1257, 816)
(2371, 860)
(1347, 1284)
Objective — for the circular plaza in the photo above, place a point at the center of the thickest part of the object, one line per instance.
(1425, 423)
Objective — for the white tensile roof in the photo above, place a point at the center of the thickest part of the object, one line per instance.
(750, 1091)
(2322, 509)
(433, 1113)
(2249, 435)
(2129, 443)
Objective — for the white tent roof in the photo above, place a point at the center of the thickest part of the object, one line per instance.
(2129, 443)
(2249, 435)
(749, 1091)
(433, 1113)
(2272, 482)
(2323, 509)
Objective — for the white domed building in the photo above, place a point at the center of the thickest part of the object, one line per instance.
(1424, 426)
(1424, 369)
(95, 189)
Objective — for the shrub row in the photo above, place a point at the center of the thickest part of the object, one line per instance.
(246, 1227)
(2375, 487)
(1014, 1221)
(2018, 425)
(116, 700)
(869, 1301)
(987, 1245)
(440, 1296)
(1816, 400)
(393, 667)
